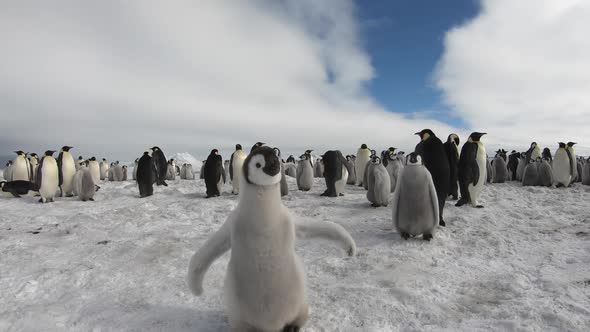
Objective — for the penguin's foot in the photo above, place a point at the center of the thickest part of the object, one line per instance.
(15, 195)
(41, 200)
(405, 236)
(461, 202)
(374, 205)
(442, 223)
(91, 199)
(427, 237)
(70, 195)
(341, 194)
(479, 206)
(455, 197)
(291, 328)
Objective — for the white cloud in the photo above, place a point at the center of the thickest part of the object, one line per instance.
(112, 77)
(520, 70)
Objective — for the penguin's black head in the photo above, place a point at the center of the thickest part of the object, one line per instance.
(262, 167)
(363, 146)
(66, 148)
(9, 163)
(19, 153)
(392, 149)
(476, 136)
(533, 144)
(373, 153)
(561, 145)
(214, 152)
(155, 148)
(2, 184)
(453, 138)
(375, 160)
(33, 154)
(570, 144)
(425, 134)
(93, 159)
(103, 159)
(238, 147)
(413, 159)
(80, 158)
(49, 153)
(308, 151)
(277, 152)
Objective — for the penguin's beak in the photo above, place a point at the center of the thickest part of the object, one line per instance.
(417, 134)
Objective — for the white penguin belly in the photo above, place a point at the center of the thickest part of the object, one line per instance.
(341, 183)
(237, 164)
(20, 170)
(94, 171)
(561, 168)
(475, 191)
(50, 179)
(68, 171)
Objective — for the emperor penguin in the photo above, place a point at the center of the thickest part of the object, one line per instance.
(183, 172)
(562, 166)
(472, 170)
(235, 168)
(291, 159)
(490, 171)
(80, 162)
(202, 172)
(20, 167)
(188, 173)
(546, 154)
(586, 173)
(521, 166)
(290, 169)
(160, 165)
(435, 159)
(363, 155)
(574, 164)
(7, 173)
(452, 151)
(34, 164)
(135, 169)
(47, 177)
(284, 186)
(336, 169)
(145, 174)
(415, 201)
(513, 164)
(545, 173)
(304, 173)
(256, 146)
(104, 169)
(393, 166)
(94, 168)
(118, 173)
(18, 188)
(352, 173)
(530, 176)
(533, 152)
(319, 168)
(265, 280)
(379, 184)
(67, 171)
(111, 173)
(368, 170)
(124, 168)
(84, 185)
(214, 174)
(500, 168)
(171, 170)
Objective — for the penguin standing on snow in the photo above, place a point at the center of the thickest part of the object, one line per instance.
(47, 177)
(530, 176)
(393, 166)
(472, 170)
(104, 169)
(20, 167)
(145, 174)
(336, 169)
(521, 166)
(452, 150)
(533, 152)
(352, 172)
(214, 174)
(363, 155)
(34, 164)
(573, 160)
(513, 164)
(94, 168)
(67, 171)
(562, 167)
(84, 185)
(235, 168)
(545, 173)
(378, 184)
(586, 173)
(546, 154)
(160, 165)
(304, 173)
(368, 169)
(284, 186)
(499, 167)
(435, 159)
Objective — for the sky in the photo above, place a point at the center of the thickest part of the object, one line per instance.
(113, 78)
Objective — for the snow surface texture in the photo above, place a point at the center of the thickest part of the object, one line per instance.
(120, 263)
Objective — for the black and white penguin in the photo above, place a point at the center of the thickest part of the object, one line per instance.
(34, 162)
(499, 167)
(291, 159)
(67, 171)
(472, 170)
(214, 174)
(574, 161)
(145, 174)
(104, 169)
(368, 169)
(363, 155)
(378, 183)
(562, 166)
(513, 164)
(530, 176)
(47, 177)
(160, 165)
(393, 166)
(20, 167)
(236, 161)
(18, 187)
(79, 162)
(94, 168)
(304, 172)
(352, 173)
(84, 186)
(533, 152)
(435, 159)
(256, 146)
(336, 169)
(452, 151)
(284, 186)
(546, 154)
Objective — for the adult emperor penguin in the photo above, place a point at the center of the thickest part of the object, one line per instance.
(472, 170)
(84, 185)
(452, 150)
(104, 169)
(34, 164)
(586, 173)
(500, 168)
(145, 174)
(47, 177)
(434, 157)
(67, 171)
(20, 167)
(336, 169)
(214, 174)
(304, 173)
(546, 154)
(363, 155)
(533, 152)
(94, 168)
(545, 173)
(562, 167)
(415, 201)
(161, 166)
(530, 176)
(513, 164)
(574, 165)
(379, 184)
(236, 161)
(265, 281)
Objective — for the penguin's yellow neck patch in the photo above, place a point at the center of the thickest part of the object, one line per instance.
(470, 140)
(425, 136)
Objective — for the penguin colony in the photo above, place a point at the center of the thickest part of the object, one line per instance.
(267, 292)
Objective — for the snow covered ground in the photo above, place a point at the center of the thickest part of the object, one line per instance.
(119, 264)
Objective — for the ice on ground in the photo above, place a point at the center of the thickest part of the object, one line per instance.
(119, 264)
(187, 158)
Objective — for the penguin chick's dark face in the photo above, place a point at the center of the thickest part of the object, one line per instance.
(375, 160)
(413, 159)
(453, 138)
(425, 134)
(262, 167)
(476, 136)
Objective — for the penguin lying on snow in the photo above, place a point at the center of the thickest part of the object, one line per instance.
(18, 187)
(262, 292)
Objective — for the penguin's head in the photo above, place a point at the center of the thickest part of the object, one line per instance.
(238, 147)
(80, 158)
(561, 145)
(214, 152)
(2, 184)
(92, 159)
(453, 138)
(103, 159)
(425, 134)
(533, 145)
(375, 160)
(364, 146)
(373, 153)
(155, 148)
(49, 153)
(256, 146)
(262, 167)
(19, 153)
(148, 153)
(66, 148)
(413, 159)
(392, 154)
(571, 144)
(475, 136)
(308, 151)
(277, 152)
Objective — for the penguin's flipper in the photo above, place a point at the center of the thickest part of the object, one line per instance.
(59, 171)
(474, 173)
(39, 177)
(327, 230)
(231, 167)
(15, 194)
(216, 246)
